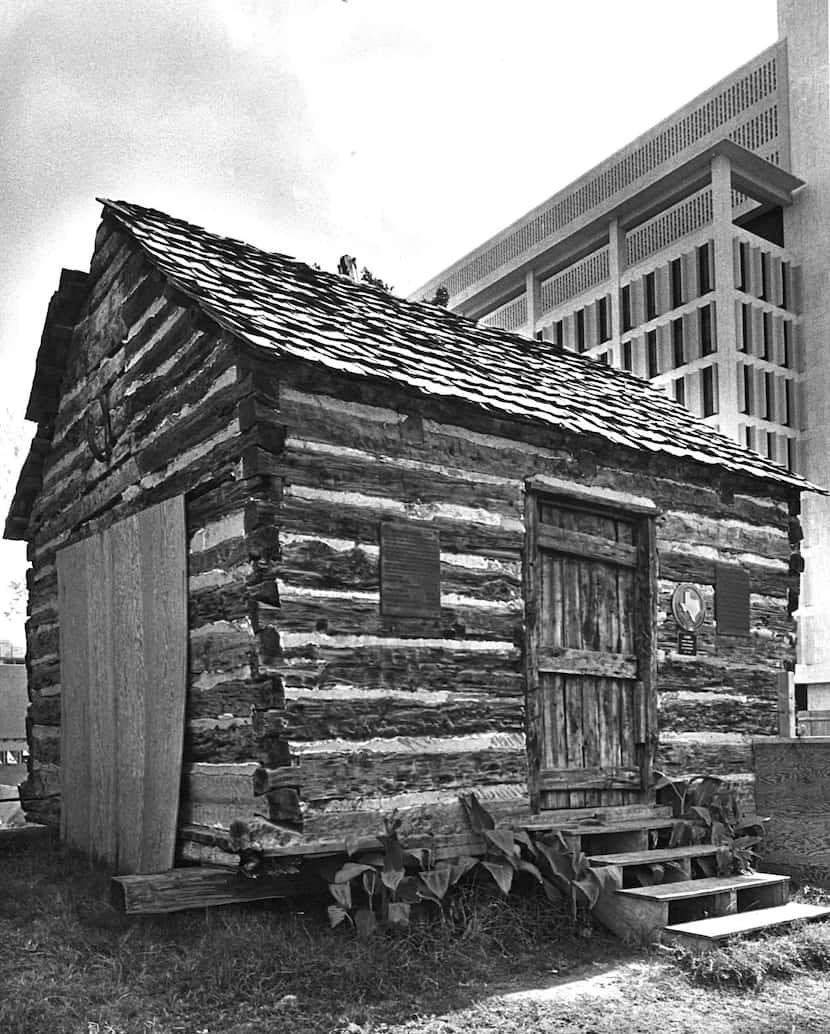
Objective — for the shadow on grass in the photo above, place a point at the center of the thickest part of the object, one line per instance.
(69, 961)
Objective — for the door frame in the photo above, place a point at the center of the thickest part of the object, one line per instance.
(641, 512)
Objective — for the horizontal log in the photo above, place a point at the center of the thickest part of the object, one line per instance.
(352, 614)
(45, 710)
(45, 675)
(762, 644)
(308, 719)
(733, 536)
(587, 662)
(688, 567)
(181, 889)
(360, 774)
(704, 753)
(589, 778)
(234, 696)
(716, 712)
(224, 555)
(433, 817)
(221, 651)
(378, 478)
(220, 793)
(320, 517)
(404, 667)
(677, 673)
(329, 410)
(31, 836)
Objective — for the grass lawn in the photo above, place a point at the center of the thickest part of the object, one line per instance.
(70, 964)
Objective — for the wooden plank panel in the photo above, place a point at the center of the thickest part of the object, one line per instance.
(130, 678)
(103, 755)
(627, 724)
(74, 667)
(590, 602)
(571, 603)
(580, 544)
(554, 754)
(573, 733)
(163, 550)
(626, 599)
(608, 707)
(552, 616)
(590, 723)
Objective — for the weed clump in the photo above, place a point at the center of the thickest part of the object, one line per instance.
(747, 965)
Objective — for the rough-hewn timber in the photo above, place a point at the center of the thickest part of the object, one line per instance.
(287, 472)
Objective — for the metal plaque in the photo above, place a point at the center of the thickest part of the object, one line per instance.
(410, 570)
(731, 600)
(688, 607)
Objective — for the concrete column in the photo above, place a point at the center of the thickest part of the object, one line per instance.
(616, 265)
(804, 25)
(532, 293)
(724, 295)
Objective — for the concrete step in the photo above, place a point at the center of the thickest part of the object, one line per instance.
(707, 933)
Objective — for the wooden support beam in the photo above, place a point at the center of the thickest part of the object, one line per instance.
(786, 705)
(180, 889)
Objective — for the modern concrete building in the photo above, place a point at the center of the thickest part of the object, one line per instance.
(697, 256)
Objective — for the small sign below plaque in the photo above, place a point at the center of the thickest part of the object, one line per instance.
(687, 644)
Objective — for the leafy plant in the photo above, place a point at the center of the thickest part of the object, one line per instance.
(379, 888)
(706, 811)
(562, 870)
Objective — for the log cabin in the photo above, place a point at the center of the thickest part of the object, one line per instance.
(294, 535)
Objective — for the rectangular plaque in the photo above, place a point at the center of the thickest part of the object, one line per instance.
(410, 570)
(731, 600)
(687, 644)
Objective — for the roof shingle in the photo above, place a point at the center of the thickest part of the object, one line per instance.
(285, 307)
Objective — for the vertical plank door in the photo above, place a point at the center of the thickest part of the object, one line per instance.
(591, 712)
(123, 619)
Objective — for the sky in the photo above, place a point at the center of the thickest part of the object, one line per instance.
(402, 133)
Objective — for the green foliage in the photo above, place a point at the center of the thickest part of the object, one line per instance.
(706, 811)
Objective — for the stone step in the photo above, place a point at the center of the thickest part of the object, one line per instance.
(708, 885)
(706, 933)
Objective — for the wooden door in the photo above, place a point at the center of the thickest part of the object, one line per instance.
(123, 647)
(590, 659)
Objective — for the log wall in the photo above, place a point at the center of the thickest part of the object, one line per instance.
(376, 719)
(287, 472)
(179, 406)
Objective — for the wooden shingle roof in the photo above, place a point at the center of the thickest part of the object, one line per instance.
(287, 308)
